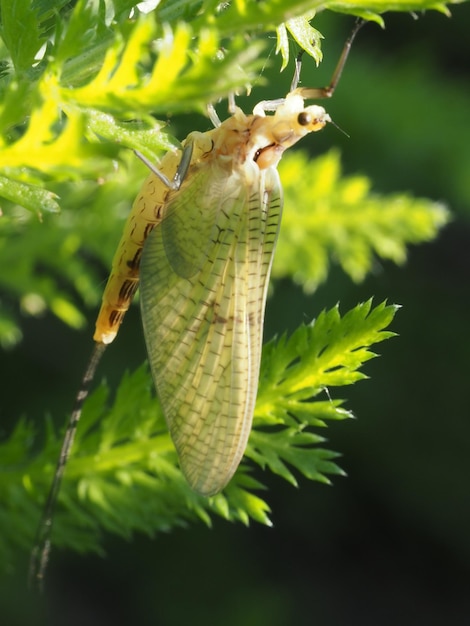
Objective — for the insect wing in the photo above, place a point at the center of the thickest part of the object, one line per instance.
(204, 331)
(187, 225)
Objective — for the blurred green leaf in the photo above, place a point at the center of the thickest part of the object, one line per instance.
(21, 31)
(327, 217)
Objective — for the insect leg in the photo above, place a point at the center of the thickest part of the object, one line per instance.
(232, 105)
(214, 118)
(212, 113)
(326, 92)
(181, 172)
(42, 545)
(312, 93)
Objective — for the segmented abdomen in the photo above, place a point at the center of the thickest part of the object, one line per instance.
(124, 278)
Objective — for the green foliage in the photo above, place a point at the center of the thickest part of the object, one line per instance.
(123, 475)
(333, 218)
(66, 117)
(327, 353)
(78, 86)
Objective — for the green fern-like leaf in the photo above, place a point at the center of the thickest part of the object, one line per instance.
(172, 83)
(303, 33)
(327, 217)
(327, 353)
(22, 32)
(68, 249)
(123, 475)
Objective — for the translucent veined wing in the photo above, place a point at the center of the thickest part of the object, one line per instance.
(186, 226)
(204, 269)
(203, 327)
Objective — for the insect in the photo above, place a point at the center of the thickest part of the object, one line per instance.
(200, 241)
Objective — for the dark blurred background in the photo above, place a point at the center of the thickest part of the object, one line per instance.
(390, 544)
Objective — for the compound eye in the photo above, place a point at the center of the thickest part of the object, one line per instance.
(304, 118)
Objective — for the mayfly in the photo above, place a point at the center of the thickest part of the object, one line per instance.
(200, 239)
